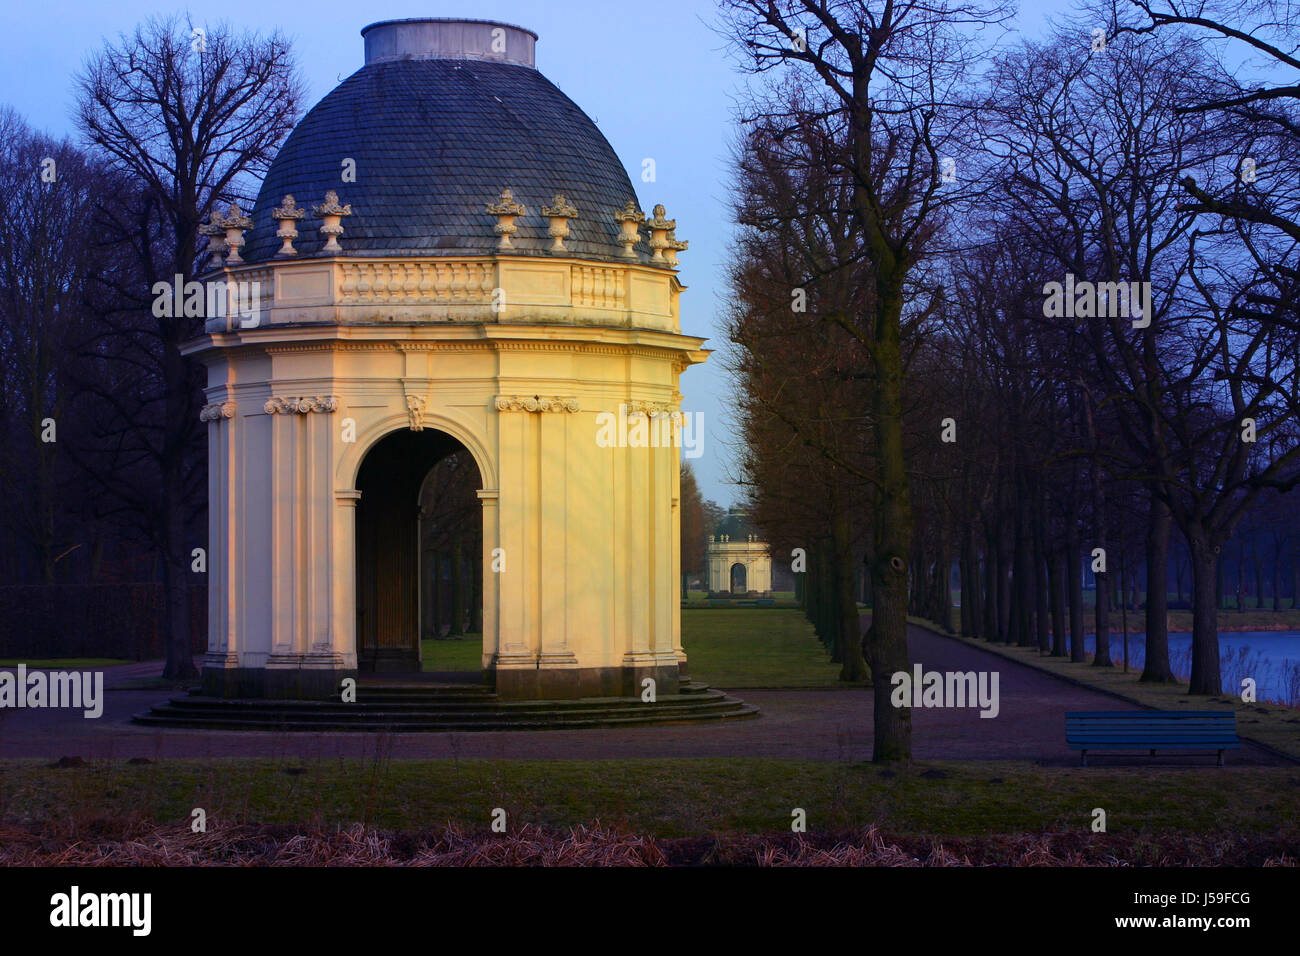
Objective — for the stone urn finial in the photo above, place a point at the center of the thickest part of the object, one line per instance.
(233, 224)
(287, 215)
(659, 228)
(559, 212)
(216, 239)
(630, 219)
(331, 214)
(675, 246)
(506, 210)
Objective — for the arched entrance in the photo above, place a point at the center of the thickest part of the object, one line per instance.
(738, 578)
(418, 521)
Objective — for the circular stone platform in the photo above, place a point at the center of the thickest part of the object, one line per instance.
(412, 707)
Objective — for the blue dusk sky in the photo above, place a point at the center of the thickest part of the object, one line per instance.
(655, 76)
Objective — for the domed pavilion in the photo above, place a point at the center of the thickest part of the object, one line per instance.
(449, 258)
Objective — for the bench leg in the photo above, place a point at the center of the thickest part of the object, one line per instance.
(1083, 758)
(1220, 758)
(1153, 753)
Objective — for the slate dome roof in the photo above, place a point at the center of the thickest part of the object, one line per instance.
(438, 125)
(738, 525)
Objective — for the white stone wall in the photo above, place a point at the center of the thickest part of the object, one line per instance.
(591, 534)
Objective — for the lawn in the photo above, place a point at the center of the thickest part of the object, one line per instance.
(755, 647)
(464, 653)
(732, 649)
(665, 798)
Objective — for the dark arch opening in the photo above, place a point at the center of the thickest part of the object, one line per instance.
(738, 583)
(418, 503)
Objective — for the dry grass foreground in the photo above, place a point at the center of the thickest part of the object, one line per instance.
(598, 845)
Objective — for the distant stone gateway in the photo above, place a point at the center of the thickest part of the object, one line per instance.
(451, 260)
(739, 560)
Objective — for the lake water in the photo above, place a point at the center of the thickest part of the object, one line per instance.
(1272, 658)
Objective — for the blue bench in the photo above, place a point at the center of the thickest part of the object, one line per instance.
(1151, 730)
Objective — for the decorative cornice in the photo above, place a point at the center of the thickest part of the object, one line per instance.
(500, 345)
(211, 413)
(535, 403)
(301, 406)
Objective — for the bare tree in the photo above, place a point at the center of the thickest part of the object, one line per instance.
(48, 193)
(891, 81)
(188, 116)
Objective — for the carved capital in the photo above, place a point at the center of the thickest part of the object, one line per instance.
(636, 409)
(212, 413)
(535, 403)
(301, 406)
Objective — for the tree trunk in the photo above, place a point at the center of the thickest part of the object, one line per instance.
(964, 618)
(1022, 574)
(887, 651)
(1277, 580)
(457, 589)
(176, 559)
(437, 595)
(853, 666)
(1101, 645)
(990, 581)
(1178, 575)
(1205, 616)
(1259, 574)
(1074, 591)
(1156, 668)
(943, 580)
(1006, 549)
(176, 571)
(971, 618)
(1241, 579)
(1040, 575)
(1219, 592)
(476, 577)
(1056, 578)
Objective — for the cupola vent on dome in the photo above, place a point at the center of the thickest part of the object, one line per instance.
(449, 39)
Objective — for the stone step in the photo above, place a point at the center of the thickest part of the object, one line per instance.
(328, 716)
(415, 714)
(449, 704)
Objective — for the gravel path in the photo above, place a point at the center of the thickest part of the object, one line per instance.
(802, 724)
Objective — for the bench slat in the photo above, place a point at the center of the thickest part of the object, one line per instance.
(1206, 730)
